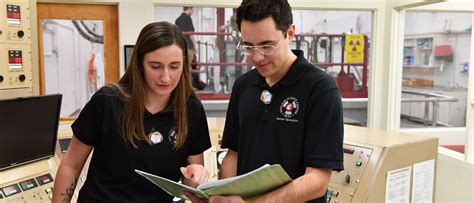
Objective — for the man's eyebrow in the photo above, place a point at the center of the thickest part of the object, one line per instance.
(266, 42)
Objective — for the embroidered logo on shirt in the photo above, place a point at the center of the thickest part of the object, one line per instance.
(288, 109)
(172, 136)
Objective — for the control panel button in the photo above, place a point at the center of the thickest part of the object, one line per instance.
(348, 179)
(28, 184)
(11, 190)
(44, 179)
(20, 33)
(358, 163)
(22, 77)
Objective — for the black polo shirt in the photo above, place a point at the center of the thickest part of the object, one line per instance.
(111, 176)
(302, 126)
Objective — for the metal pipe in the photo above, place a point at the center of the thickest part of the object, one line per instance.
(427, 112)
(442, 97)
(435, 113)
(429, 98)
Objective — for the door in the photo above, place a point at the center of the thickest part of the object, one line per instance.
(72, 39)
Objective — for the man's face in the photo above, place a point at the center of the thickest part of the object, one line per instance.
(190, 11)
(265, 32)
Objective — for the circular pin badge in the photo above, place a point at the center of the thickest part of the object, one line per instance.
(155, 137)
(266, 97)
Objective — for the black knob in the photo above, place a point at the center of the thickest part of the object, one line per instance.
(20, 33)
(22, 77)
(1, 78)
(348, 179)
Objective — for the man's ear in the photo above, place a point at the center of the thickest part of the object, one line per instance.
(291, 32)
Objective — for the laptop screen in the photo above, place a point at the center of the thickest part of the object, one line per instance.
(28, 129)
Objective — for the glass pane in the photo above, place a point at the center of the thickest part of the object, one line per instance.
(435, 69)
(73, 61)
(320, 34)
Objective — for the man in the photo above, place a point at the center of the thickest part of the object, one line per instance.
(185, 23)
(285, 111)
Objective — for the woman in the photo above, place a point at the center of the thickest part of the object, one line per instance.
(151, 120)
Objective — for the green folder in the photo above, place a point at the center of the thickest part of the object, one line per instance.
(251, 184)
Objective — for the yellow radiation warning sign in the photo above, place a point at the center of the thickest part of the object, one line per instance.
(355, 48)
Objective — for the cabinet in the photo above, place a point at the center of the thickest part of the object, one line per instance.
(418, 52)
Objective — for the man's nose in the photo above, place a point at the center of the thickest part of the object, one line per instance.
(257, 55)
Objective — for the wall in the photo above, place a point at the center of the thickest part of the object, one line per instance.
(454, 180)
(450, 22)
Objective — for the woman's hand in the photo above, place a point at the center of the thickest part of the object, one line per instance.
(195, 174)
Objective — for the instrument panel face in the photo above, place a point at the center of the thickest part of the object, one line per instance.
(343, 184)
(29, 189)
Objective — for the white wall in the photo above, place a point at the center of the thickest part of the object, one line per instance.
(428, 22)
(454, 179)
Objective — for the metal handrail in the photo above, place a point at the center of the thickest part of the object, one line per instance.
(430, 97)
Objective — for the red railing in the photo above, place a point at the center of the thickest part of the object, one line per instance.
(344, 77)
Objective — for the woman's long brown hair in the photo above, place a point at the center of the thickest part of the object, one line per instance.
(154, 36)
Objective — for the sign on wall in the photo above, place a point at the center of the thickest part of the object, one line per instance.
(355, 48)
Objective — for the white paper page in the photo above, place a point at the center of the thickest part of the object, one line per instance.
(397, 189)
(423, 182)
(212, 184)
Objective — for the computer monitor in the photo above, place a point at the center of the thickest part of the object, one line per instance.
(28, 129)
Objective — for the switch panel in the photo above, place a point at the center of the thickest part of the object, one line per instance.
(35, 188)
(15, 20)
(15, 66)
(343, 184)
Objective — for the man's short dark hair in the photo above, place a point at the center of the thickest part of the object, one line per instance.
(187, 7)
(255, 10)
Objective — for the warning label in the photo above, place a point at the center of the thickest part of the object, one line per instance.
(355, 48)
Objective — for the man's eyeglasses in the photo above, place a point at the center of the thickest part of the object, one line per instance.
(266, 49)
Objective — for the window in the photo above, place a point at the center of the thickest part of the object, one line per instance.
(320, 34)
(435, 69)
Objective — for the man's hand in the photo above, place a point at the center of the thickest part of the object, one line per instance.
(194, 198)
(226, 199)
(195, 173)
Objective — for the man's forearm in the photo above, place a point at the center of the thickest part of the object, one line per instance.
(229, 165)
(307, 187)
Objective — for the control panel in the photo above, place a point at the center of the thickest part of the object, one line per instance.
(344, 183)
(35, 188)
(369, 156)
(15, 22)
(15, 49)
(15, 67)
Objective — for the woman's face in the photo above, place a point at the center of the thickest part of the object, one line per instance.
(162, 70)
